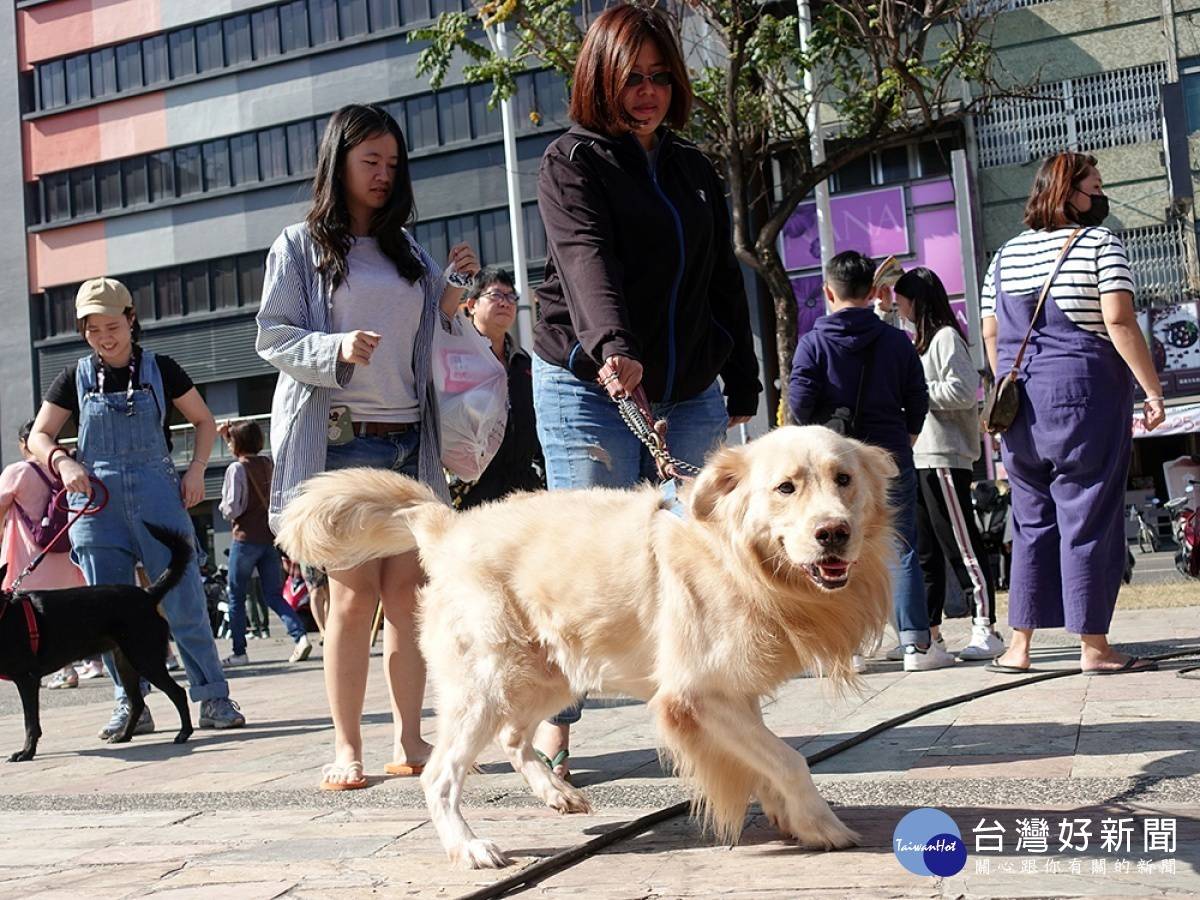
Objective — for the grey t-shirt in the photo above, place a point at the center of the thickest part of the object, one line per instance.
(374, 297)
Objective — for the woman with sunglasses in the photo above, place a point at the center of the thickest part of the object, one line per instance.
(642, 289)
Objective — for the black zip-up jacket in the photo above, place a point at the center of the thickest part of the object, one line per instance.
(618, 282)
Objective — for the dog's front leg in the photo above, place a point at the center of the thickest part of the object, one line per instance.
(721, 741)
(28, 687)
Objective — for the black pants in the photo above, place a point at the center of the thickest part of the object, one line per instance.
(946, 533)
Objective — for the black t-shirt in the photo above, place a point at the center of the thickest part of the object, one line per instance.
(175, 381)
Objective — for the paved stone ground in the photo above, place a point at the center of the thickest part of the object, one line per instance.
(236, 813)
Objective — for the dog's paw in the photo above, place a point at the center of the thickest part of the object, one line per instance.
(567, 799)
(478, 854)
(21, 756)
(826, 832)
(182, 737)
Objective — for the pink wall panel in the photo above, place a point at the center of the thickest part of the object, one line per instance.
(66, 255)
(94, 134)
(56, 29)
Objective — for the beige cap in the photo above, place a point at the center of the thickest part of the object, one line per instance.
(102, 296)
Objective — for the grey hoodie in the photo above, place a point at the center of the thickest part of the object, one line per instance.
(950, 437)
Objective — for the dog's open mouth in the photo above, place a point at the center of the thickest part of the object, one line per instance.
(830, 573)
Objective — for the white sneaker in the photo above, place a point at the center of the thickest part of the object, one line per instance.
(302, 649)
(236, 659)
(935, 657)
(896, 654)
(984, 644)
(858, 663)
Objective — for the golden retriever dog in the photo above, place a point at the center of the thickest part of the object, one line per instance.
(778, 565)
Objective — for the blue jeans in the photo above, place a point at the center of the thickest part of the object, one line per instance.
(244, 558)
(398, 452)
(908, 582)
(587, 444)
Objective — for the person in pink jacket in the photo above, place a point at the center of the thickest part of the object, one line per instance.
(24, 495)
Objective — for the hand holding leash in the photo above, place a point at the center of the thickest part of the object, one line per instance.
(75, 477)
(620, 376)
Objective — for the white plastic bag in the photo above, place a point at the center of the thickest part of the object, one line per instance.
(472, 388)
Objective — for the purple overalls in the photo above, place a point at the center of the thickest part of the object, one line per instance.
(1067, 456)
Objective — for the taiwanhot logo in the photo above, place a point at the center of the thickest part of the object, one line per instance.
(928, 842)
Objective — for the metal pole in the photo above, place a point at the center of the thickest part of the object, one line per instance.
(516, 218)
(816, 141)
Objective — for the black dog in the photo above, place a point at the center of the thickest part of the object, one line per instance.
(78, 623)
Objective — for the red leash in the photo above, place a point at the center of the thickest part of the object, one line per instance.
(88, 509)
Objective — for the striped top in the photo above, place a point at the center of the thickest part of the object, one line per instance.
(294, 325)
(1096, 264)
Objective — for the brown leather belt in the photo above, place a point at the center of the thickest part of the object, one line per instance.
(383, 429)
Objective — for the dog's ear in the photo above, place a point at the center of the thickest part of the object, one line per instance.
(879, 461)
(721, 474)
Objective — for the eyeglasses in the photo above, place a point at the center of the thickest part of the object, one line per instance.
(497, 296)
(658, 79)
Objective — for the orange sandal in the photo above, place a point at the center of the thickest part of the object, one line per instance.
(407, 769)
(335, 777)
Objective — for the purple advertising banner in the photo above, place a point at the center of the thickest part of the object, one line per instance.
(873, 223)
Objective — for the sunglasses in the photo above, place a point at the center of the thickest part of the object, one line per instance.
(658, 79)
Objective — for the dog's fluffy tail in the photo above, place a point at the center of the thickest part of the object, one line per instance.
(342, 519)
(181, 553)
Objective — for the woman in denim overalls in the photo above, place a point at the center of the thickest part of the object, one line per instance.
(121, 443)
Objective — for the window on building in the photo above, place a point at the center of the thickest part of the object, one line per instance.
(432, 236)
(293, 25)
(239, 47)
(216, 164)
(243, 153)
(551, 91)
(495, 237)
(484, 121)
(181, 49)
(162, 175)
(352, 17)
(395, 109)
(462, 230)
(189, 176)
(52, 84)
(224, 283)
(168, 291)
(129, 66)
(893, 165)
(854, 175)
(79, 79)
(322, 21)
(422, 122)
(250, 268)
(133, 178)
(108, 186)
(141, 287)
(264, 31)
(83, 192)
(301, 148)
(414, 11)
(383, 14)
(1191, 95)
(210, 52)
(62, 310)
(104, 72)
(321, 125)
(437, 7)
(535, 232)
(155, 59)
(934, 157)
(272, 153)
(195, 288)
(454, 115)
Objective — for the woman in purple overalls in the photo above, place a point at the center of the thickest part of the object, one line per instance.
(1067, 453)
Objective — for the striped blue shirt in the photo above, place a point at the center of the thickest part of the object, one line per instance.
(294, 322)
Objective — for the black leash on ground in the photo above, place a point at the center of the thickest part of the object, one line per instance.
(552, 865)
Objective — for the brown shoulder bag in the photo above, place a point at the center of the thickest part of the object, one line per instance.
(1004, 400)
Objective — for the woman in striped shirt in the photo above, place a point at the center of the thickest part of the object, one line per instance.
(1067, 453)
(350, 302)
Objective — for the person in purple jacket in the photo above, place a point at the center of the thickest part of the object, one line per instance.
(858, 375)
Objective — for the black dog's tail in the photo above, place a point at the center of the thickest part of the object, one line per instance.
(181, 554)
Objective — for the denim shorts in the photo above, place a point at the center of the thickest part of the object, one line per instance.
(398, 452)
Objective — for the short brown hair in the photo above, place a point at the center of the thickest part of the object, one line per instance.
(245, 438)
(130, 314)
(1056, 178)
(609, 51)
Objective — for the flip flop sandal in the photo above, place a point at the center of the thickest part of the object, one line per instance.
(406, 769)
(1009, 670)
(1131, 665)
(560, 759)
(344, 783)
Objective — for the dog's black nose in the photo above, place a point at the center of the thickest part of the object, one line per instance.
(834, 534)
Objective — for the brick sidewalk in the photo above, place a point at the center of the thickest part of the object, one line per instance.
(238, 812)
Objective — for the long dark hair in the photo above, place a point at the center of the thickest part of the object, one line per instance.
(931, 306)
(329, 218)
